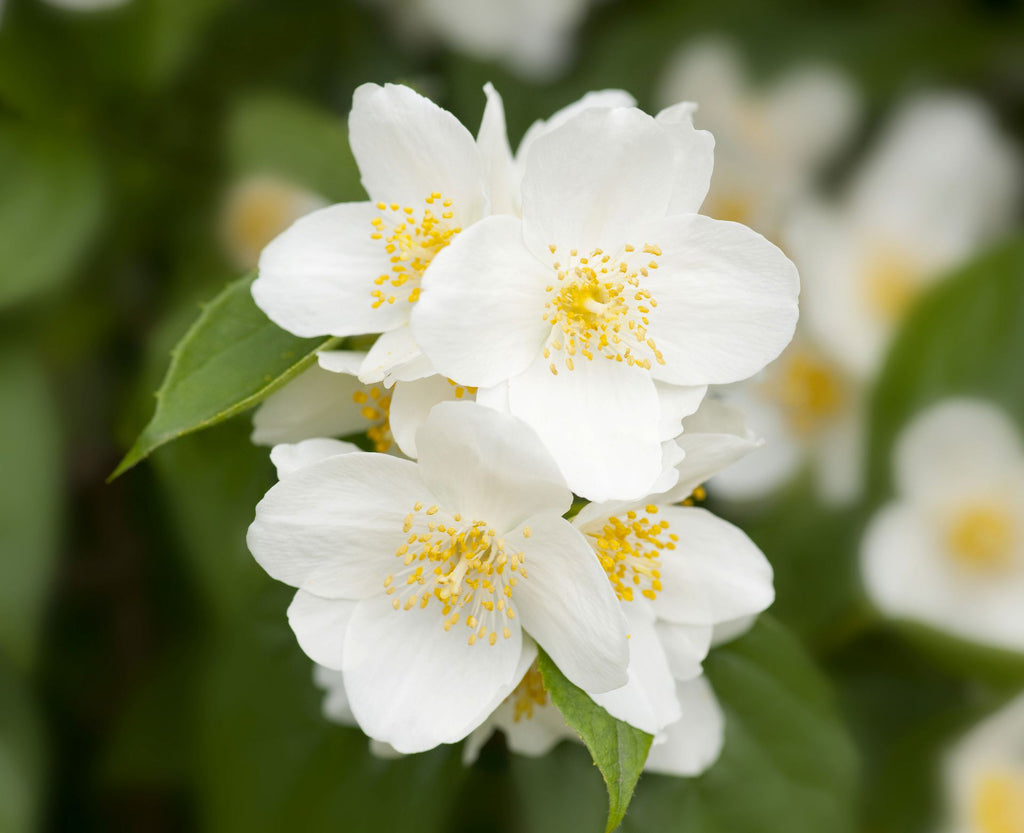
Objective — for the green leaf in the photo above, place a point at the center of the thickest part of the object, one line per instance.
(51, 206)
(231, 359)
(787, 766)
(617, 748)
(965, 338)
(274, 134)
(22, 755)
(30, 502)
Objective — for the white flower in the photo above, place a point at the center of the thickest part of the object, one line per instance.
(984, 775)
(533, 37)
(258, 208)
(427, 583)
(949, 550)
(605, 290)
(678, 572)
(940, 184)
(769, 143)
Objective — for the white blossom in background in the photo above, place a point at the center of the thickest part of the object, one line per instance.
(255, 210)
(984, 775)
(427, 583)
(678, 572)
(533, 38)
(948, 551)
(771, 141)
(611, 303)
(940, 183)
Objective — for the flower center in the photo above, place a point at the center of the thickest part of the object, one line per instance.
(462, 567)
(462, 390)
(890, 283)
(412, 239)
(376, 408)
(529, 694)
(808, 390)
(999, 802)
(981, 537)
(629, 550)
(598, 307)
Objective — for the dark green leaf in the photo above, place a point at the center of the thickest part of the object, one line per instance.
(231, 359)
(617, 748)
(22, 755)
(30, 502)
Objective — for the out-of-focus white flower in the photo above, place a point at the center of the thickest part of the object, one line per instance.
(258, 208)
(941, 183)
(534, 38)
(608, 296)
(984, 775)
(678, 572)
(426, 583)
(949, 550)
(769, 143)
(87, 5)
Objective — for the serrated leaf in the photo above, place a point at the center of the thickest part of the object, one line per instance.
(618, 749)
(231, 359)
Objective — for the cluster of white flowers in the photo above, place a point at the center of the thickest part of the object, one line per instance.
(547, 323)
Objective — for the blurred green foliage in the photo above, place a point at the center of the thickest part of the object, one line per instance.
(148, 679)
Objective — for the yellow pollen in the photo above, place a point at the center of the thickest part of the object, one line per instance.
(597, 308)
(528, 694)
(982, 537)
(807, 389)
(629, 550)
(458, 566)
(998, 805)
(462, 390)
(376, 409)
(412, 239)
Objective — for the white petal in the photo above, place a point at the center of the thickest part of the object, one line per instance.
(677, 402)
(316, 403)
(694, 158)
(488, 466)
(538, 734)
(335, 705)
(648, 700)
(480, 318)
(716, 572)
(598, 98)
(492, 139)
(592, 181)
(289, 458)
(315, 279)
(695, 741)
(411, 403)
(346, 362)
(408, 148)
(685, 646)
(840, 456)
(319, 626)
(333, 527)
(671, 456)
(414, 685)
(394, 356)
(733, 629)
(567, 604)
(599, 421)
(727, 300)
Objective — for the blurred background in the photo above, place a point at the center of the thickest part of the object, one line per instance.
(150, 148)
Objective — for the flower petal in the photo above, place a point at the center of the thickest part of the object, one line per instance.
(492, 139)
(316, 403)
(488, 466)
(411, 403)
(316, 277)
(727, 300)
(590, 182)
(677, 402)
(335, 705)
(694, 742)
(715, 573)
(414, 685)
(566, 603)
(395, 356)
(320, 625)
(289, 458)
(685, 647)
(408, 148)
(596, 98)
(333, 527)
(648, 700)
(480, 318)
(694, 158)
(600, 422)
